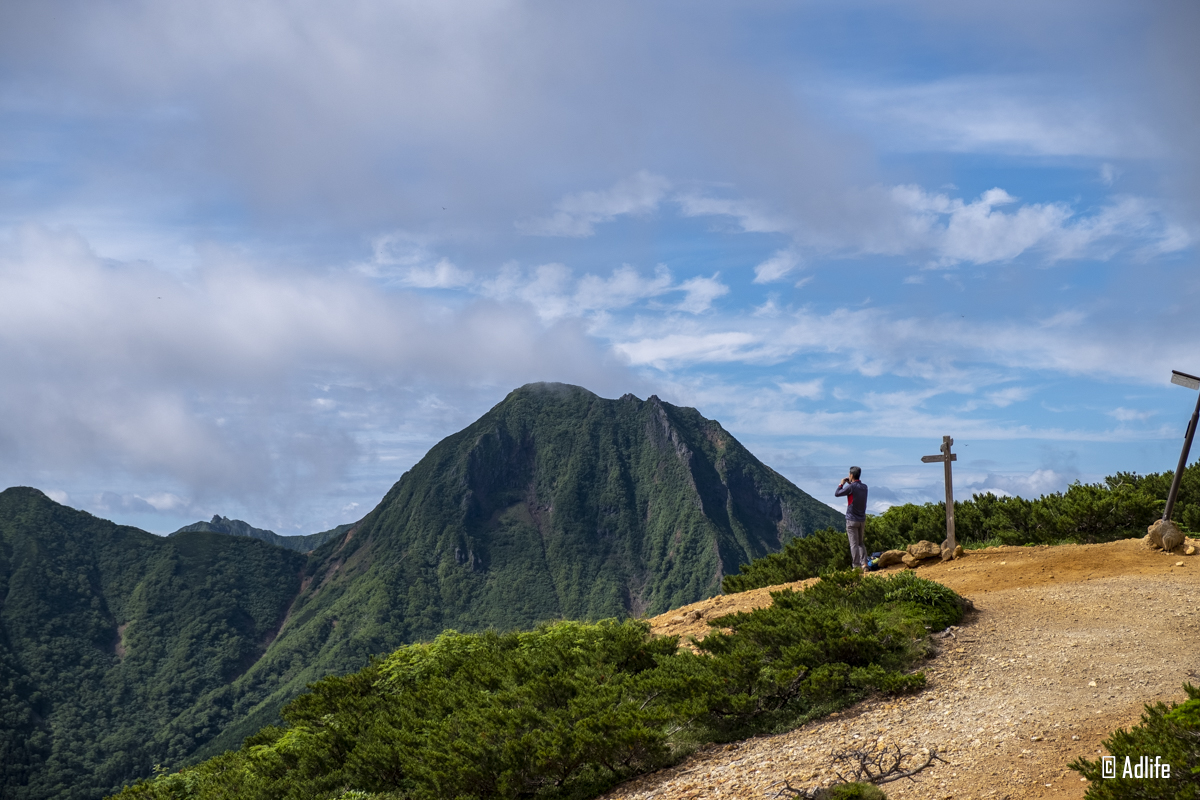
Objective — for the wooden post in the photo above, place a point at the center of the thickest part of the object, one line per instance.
(946, 457)
(946, 444)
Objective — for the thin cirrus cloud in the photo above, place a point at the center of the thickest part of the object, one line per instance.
(995, 114)
(777, 266)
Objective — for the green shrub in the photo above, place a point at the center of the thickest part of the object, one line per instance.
(1171, 733)
(818, 649)
(570, 709)
(1121, 507)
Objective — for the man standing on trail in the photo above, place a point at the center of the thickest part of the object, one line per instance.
(855, 492)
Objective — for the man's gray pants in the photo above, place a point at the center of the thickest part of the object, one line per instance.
(858, 552)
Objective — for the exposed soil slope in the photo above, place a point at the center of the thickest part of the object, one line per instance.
(1067, 643)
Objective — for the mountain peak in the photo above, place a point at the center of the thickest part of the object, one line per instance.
(559, 503)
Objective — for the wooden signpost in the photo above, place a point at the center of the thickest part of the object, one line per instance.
(1189, 382)
(946, 457)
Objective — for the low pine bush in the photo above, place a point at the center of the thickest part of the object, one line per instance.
(1170, 733)
(1121, 507)
(570, 709)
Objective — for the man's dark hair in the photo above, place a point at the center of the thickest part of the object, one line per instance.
(855, 473)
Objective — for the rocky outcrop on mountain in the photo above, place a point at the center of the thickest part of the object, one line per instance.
(236, 527)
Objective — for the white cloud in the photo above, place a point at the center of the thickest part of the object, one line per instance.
(578, 214)
(778, 265)
(700, 292)
(980, 232)
(682, 347)
(554, 293)
(809, 390)
(208, 381)
(624, 287)
(1034, 484)
(442, 275)
(1025, 115)
(949, 353)
(752, 216)
(1130, 415)
(164, 501)
(1006, 397)
(408, 260)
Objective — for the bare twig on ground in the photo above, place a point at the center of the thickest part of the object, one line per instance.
(864, 766)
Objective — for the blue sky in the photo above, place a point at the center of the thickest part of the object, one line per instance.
(255, 259)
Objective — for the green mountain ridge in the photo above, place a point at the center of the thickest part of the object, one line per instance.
(115, 643)
(236, 527)
(120, 650)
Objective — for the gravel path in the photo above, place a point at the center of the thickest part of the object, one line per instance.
(1067, 643)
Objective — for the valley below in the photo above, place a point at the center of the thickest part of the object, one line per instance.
(1067, 643)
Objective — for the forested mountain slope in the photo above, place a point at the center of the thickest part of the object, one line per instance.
(114, 643)
(120, 650)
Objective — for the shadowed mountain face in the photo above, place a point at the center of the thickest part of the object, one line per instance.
(120, 649)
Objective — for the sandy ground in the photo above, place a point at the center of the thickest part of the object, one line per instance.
(1067, 644)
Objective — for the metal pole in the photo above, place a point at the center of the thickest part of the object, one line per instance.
(946, 444)
(1187, 445)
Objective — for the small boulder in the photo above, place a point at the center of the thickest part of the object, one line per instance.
(958, 551)
(889, 558)
(1190, 551)
(910, 561)
(1163, 534)
(924, 549)
(1172, 537)
(947, 554)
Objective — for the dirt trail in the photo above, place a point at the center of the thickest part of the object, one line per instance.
(1067, 643)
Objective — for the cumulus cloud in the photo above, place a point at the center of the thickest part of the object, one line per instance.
(981, 232)
(936, 229)
(622, 288)
(209, 381)
(1034, 484)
